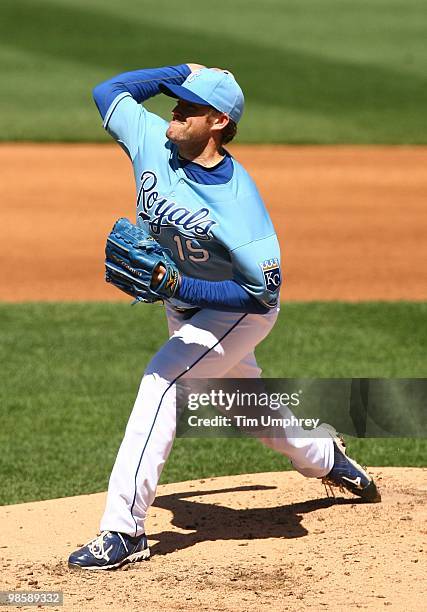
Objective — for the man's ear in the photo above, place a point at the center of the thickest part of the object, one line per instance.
(220, 120)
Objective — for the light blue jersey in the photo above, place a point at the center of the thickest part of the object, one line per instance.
(214, 232)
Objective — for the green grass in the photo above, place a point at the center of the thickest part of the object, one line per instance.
(70, 373)
(335, 71)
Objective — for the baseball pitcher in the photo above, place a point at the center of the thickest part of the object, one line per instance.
(204, 243)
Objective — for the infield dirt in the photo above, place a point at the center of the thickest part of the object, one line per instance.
(255, 542)
(350, 220)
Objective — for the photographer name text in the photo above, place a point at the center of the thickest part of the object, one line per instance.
(241, 420)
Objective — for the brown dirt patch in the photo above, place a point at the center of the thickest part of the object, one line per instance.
(261, 541)
(351, 220)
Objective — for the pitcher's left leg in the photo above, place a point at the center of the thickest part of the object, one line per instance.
(311, 452)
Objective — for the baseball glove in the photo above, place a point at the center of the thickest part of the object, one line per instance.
(132, 256)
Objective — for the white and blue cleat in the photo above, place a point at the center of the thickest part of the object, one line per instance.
(110, 550)
(349, 475)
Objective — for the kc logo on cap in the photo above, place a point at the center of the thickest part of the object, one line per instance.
(193, 76)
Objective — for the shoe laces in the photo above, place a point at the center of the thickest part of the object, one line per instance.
(97, 547)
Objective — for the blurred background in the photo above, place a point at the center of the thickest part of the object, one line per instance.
(333, 71)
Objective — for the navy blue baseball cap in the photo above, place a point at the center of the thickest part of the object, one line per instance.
(210, 87)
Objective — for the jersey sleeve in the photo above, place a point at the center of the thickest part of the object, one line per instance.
(127, 122)
(119, 103)
(256, 267)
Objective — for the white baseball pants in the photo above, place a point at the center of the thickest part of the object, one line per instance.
(211, 344)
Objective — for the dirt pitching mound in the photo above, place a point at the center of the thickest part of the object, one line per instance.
(254, 542)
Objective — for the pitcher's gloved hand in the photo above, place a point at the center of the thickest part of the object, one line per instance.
(138, 265)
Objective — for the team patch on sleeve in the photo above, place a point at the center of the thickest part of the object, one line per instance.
(271, 271)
